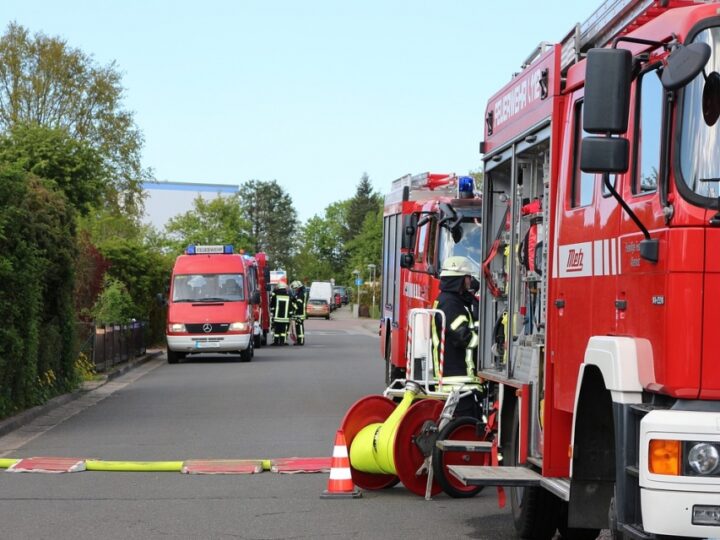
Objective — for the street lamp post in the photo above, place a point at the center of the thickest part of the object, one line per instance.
(372, 282)
(356, 273)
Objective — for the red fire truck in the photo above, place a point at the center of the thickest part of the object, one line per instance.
(427, 218)
(601, 252)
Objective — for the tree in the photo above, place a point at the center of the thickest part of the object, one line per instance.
(364, 201)
(37, 251)
(273, 220)
(50, 153)
(215, 221)
(366, 247)
(44, 81)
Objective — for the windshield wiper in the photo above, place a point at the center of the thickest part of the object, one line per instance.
(210, 299)
(709, 180)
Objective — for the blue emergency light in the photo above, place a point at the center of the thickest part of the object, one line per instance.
(190, 250)
(466, 187)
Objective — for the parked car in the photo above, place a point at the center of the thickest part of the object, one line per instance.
(344, 293)
(318, 308)
(338, 300)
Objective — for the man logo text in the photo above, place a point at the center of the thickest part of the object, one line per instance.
(575, 261)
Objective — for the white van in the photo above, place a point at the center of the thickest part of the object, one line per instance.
(322, 290)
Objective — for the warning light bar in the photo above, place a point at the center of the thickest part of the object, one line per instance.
(226, 249)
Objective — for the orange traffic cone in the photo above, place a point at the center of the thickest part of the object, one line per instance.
(340, 484)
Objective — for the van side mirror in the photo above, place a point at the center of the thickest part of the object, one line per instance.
(608, 74)
(161, 299)
(255, 297)
(604, 155)
(407, 260)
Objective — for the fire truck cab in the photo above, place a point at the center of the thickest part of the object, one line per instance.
(427, 218)
(600, 255)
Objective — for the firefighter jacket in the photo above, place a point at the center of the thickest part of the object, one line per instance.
(461, 338)
(299, 304)
(281, 305)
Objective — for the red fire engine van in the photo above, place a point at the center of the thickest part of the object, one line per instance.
(602, 264)
(427, 218)
(210, 308)
(259, 279)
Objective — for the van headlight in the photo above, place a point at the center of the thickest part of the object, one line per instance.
(176, 327)
(239, 327)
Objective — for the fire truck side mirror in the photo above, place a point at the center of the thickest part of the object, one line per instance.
(608, 73)
(407, 260)
(604, 155)
(684, 64)
(255, 298)
(410, 223)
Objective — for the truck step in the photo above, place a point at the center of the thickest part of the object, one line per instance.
(495, 476)
(449, 445)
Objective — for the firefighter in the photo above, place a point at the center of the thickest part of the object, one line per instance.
(299, 301)
(281, 310)
(461, 340)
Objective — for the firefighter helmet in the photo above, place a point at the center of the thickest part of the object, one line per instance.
(458, 266)
(296, 284)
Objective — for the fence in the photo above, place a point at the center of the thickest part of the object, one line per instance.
(111, 345)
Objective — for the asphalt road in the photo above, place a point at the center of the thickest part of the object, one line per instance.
(287, 402)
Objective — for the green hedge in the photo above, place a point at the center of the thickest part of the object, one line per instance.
(37, 252)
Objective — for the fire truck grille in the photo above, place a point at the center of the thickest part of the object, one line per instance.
(207, 328)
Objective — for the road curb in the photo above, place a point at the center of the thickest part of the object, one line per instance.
(14, 422)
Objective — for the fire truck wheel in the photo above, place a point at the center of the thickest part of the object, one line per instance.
(392, 372)
(463, 428)
(173, 357)
(264, 338)
(535, 511)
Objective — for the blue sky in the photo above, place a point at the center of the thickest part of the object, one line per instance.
(311, 94)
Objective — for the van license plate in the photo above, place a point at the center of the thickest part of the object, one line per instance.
(207, 345)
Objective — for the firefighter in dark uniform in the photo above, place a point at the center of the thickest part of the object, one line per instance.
(281, 311)
(461, 340)
(299, 302)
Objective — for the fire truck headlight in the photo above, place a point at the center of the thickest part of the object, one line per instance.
(703, 458)
(664, 457)
(176, 327)
(239, 327)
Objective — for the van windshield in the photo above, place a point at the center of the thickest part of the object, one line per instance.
(208, 288)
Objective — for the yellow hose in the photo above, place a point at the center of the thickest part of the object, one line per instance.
(133, 466)
(7, 462)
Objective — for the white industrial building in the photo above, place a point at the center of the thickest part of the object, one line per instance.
(168, 199)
